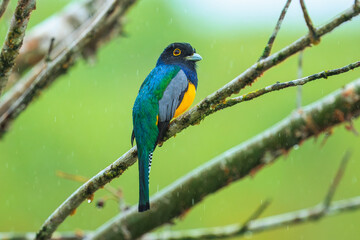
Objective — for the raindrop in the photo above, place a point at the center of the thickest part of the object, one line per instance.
(192, 201)
(296, 147)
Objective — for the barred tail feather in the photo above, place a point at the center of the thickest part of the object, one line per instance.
(144, 171)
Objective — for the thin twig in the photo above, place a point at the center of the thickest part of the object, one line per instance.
(191, 117)
(51, 46)
(336, 181)
(263, 206)
(315, 39)
(293, 83)
(268, 47)
(232, 165)
(299, 75)
(14, 39)
(261, 225)
(3, 7)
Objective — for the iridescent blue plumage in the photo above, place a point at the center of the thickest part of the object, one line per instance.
(159, 97)
(145, 112)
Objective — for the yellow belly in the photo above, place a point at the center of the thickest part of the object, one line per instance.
(188, 99)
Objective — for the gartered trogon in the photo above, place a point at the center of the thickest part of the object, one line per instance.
(166, 93)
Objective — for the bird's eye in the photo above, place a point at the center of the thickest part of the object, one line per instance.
(176, 52)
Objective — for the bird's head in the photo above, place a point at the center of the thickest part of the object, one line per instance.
(179, 54)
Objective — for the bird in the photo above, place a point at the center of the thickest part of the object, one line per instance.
(167, 92)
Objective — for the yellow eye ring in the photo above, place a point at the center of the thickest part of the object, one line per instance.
(176, 52)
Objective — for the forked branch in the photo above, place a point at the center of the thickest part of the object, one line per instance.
(315, 39)
(268, 46)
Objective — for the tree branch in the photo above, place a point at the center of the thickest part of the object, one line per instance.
(3, 7)
(336, 181)
(279, 86)
(206, 106)
(268, 46)
(104, 26)
(255, 215)
(315, 39)
(14, 39)
(235, 164)
(191, 117)
(292, 218)
(257, 226)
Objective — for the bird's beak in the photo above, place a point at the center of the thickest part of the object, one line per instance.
(195, 57)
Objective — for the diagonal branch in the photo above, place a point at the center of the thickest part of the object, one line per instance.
(192, 117)
(309, 214)
(264, 224)
(336, 181)
(102, 27)
(235, 164)
(293, 83)
(3, 7)
(315, 39)
(14, 39)
(206, 106)
(255, 215)
(268, 46)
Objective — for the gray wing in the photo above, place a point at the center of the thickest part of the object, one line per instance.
(172, 97)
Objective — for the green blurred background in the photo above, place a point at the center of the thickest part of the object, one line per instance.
(82, 123)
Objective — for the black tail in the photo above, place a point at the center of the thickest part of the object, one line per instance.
(144, 169)
(144, 207)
